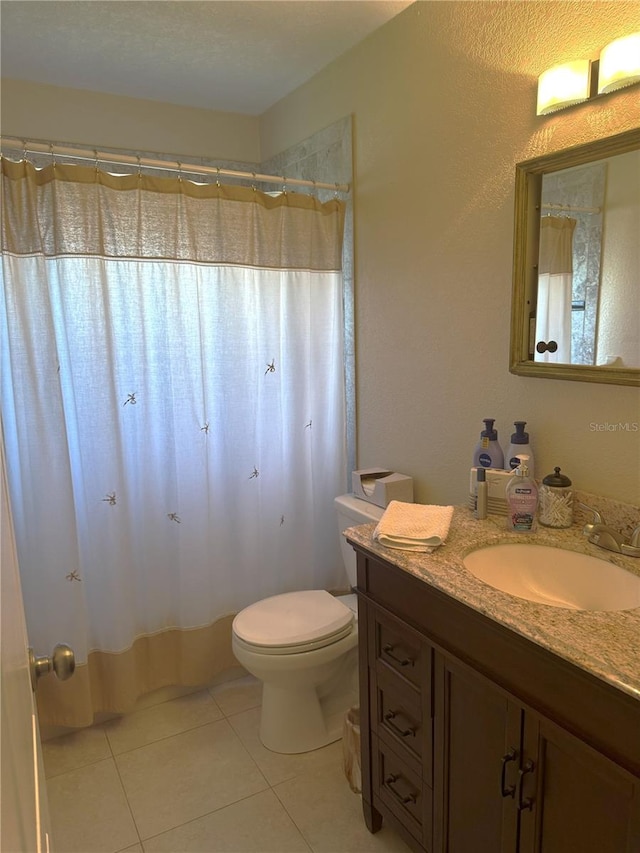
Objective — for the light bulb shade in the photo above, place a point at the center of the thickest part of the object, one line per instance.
(562, 86)
(619, 64)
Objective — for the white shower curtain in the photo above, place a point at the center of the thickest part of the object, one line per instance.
(174, 417)
(555, 281)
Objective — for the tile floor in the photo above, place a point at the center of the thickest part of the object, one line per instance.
(191, 775)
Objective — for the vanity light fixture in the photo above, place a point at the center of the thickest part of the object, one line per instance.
(581, 80)
(562, 86)
(619, 64)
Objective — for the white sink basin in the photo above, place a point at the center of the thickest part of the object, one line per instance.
(555, 577)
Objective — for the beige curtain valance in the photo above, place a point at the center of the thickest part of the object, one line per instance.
(78, 210)
(556, 245)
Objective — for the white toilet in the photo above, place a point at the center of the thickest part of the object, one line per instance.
(303, 646)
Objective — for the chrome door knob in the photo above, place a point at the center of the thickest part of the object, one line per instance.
(62, 662)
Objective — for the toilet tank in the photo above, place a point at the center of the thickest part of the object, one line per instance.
(351, 512)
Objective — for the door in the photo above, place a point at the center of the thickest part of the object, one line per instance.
(577, 799)
(477, 755)
(24, 820)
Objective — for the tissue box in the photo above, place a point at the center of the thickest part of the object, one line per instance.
(497, 480)
(380, 487)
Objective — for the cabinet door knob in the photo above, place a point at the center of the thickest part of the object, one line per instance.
(507, 790)
(389, 649)
(526, 803)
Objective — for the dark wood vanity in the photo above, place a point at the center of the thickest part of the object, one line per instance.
(476, 739)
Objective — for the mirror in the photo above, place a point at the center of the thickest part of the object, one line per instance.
(575, 311)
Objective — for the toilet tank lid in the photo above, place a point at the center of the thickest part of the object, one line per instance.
(292, 618)
(362, 512)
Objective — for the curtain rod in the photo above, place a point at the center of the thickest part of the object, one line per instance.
(34, 147)
(570, 207)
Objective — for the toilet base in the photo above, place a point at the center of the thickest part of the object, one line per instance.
(297, 721)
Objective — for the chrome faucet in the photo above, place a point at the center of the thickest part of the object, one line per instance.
(599, 533)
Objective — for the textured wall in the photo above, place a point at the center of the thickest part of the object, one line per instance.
(443, 102)
(34, 111)
(443, 105)
(619, 328)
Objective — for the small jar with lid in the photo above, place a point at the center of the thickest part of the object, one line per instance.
(556, 500)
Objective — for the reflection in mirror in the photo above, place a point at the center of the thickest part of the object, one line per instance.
(576, 298)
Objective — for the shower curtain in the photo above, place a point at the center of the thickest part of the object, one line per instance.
(555, 280)
(174, 416)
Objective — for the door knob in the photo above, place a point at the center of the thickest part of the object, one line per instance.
(62, 662)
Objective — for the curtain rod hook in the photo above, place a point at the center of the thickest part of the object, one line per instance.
(253, 185)
(284, 185)
(179, 171)
(217, 176)
(139, 166)
(53, 156)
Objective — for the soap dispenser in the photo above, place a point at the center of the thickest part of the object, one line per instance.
(488, 453)
(522, 499)
(519, 445)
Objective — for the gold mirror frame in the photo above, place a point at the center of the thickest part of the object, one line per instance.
(525, 259)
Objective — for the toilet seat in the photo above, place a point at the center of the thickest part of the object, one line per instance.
(293, 622)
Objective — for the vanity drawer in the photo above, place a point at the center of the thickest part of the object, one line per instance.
(398, 648)
(401, 717)
(402, 792)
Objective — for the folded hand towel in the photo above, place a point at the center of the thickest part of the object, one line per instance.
(413, 527)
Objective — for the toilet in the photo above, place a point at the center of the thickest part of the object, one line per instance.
(303, 646)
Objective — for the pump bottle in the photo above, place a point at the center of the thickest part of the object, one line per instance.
(488, 453)
(519, 445)
(522, 499)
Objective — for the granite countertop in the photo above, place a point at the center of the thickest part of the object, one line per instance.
(604, 643)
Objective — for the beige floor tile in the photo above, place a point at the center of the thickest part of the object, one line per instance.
(186, 776)
(137, 848)
(160, 721)
(329, 815)
(69, 752)
(89, 811)
(258, 824)
(276, 766)
(239, 695)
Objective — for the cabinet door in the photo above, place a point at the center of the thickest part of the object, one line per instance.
(576, 799)
(477, 755)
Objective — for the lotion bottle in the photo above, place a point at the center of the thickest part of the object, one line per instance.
(522, 499)
(488, 453)
(519, 445)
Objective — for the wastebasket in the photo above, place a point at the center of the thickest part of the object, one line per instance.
(351, 749)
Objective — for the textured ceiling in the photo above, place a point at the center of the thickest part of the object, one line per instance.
(237, 56)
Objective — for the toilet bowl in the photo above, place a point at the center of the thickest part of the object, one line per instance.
(303, 646)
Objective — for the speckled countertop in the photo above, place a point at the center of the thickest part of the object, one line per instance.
(604, 643)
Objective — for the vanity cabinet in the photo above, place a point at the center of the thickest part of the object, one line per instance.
(476, 740)
(511, 780)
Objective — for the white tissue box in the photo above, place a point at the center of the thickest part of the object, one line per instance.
(380, 487)
(497, 480)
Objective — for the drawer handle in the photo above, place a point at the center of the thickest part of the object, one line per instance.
(388, 650)
(389, 718)
(507, 791)
(405, 800)
(526, 803)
